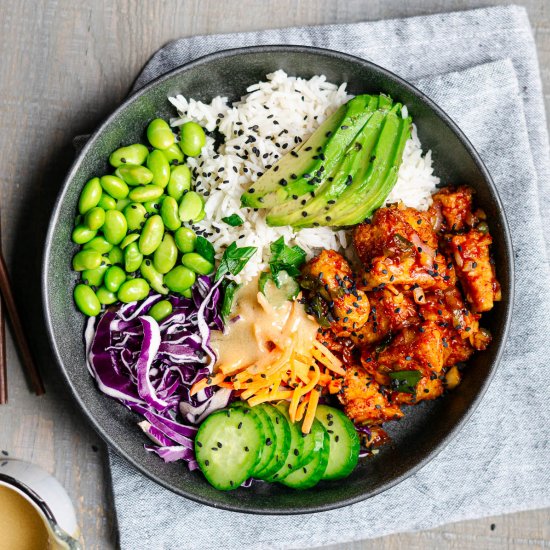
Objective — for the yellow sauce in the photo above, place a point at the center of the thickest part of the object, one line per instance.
(257, 326)
(21, 526)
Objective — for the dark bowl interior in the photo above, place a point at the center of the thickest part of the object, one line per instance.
(425, 429)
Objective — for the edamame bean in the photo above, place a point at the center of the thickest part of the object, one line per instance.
(153, 277)
(105, 296)
(107, 202)
(187, 293)
(131, 154)
(166, 255)
(200, 217)
(191, 206)
(115, 226)
(86, 300)
(132, 290)
(132, 258)
(135, 215)
(114, 277)
(95, 218)
(185, 239)
(114, 186)
(151, 235)
(197, 263)
(122, 204)
(90, 195)
(180, 279)
(180, 181)
(159, 134)
(192, 139)
(145, 193)
(153, 207)
(83, 234)
(160, 310)
(116, 256)
(94, 277)
(159, 165)
(173, 154)
(133, 174)
(169, 213)
(99, 243)
(86, 259)
(129, 239)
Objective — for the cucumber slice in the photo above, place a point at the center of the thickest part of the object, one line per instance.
(294, 456)
(281, 441)
(228, 446)
(344, 442)
(311, 471)
(268, 434)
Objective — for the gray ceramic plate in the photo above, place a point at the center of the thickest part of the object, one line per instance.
(426, 428)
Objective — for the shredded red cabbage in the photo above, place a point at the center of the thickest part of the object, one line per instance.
(150, 367)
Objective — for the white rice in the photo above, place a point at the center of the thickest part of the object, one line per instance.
(276, 114)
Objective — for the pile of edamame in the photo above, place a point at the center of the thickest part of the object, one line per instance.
(131, 223)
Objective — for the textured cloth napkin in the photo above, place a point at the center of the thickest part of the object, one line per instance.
(481, 68)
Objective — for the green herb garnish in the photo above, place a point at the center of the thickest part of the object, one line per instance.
(405, 380)
(234, 220)
(285, 258)
(205, 249)
(234, 259)
(228, 298)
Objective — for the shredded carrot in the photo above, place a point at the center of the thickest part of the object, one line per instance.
(301, 408)
(290, 369)
(208, 381)
(311, 408)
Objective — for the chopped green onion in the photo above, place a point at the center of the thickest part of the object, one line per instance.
(234, 259)
(285, 258)
(228, 298)
(205, 249)
(405, 380)
(234, 220)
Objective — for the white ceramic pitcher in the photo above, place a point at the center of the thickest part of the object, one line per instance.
(47, 496)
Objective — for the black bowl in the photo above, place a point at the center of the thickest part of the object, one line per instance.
(426, 428)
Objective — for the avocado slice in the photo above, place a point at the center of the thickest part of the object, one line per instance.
(367, 194)
(314, 159)
(295, 162)
(308, 212)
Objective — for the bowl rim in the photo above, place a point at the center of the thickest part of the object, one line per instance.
(441, 114)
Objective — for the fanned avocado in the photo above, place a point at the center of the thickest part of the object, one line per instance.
(367, 194)
(311, 211)
(295, 162)
(303, 170)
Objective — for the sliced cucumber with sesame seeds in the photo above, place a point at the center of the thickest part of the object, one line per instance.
(312, 469)
(281, 445)
(268, 435)
(294, 455)
(344, 442)
(228, 446)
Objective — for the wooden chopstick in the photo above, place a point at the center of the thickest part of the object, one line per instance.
(3, 358)
(3, 363)
(21, 340)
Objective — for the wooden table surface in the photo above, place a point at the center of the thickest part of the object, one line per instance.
(65, 64)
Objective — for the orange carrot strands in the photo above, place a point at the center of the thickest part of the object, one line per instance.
(208, 381)
(310, 414)
(294, 401)
(301, 408)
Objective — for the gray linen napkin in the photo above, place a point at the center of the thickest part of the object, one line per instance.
(481, 67)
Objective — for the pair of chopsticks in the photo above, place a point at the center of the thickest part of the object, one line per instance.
(7, 303)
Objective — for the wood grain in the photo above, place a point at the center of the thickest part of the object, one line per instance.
(65, 64)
